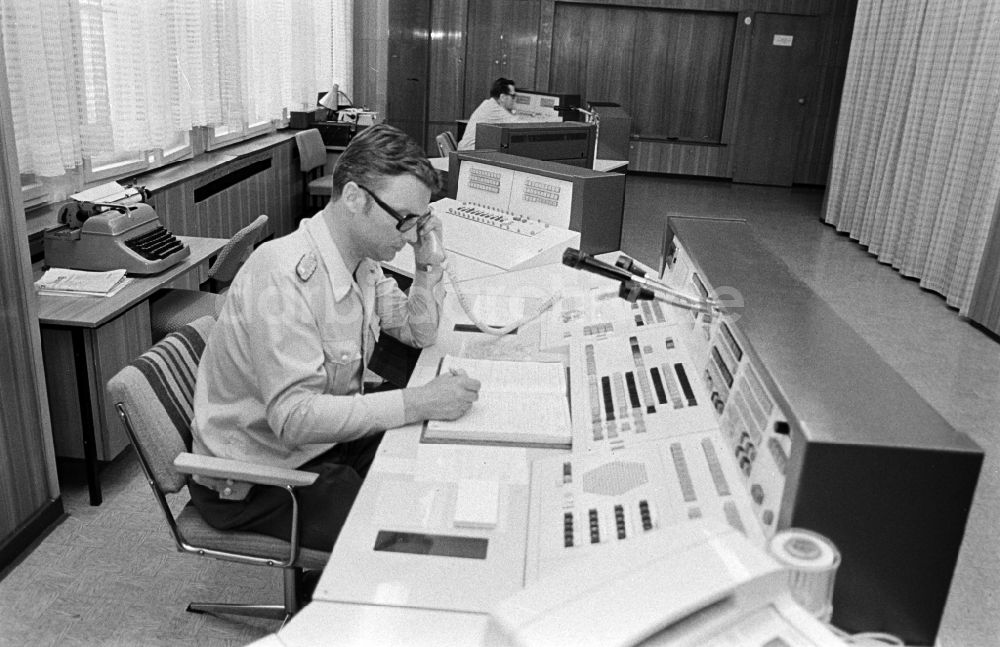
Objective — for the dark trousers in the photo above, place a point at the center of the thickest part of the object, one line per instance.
(323, 506)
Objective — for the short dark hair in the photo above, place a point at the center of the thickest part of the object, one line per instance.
(379, 151)
(500, 86)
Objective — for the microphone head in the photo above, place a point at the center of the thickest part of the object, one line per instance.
(572, 257)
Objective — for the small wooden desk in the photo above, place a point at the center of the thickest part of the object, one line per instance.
(86, 340)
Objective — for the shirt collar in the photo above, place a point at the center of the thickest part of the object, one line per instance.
(341, 278)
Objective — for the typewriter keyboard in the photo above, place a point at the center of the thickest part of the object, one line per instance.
(155, 245)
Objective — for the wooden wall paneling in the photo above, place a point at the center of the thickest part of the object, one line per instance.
(29, 489)
(498, 42)
(257, 196)
(669, 69)
(108, 349)
(592, 52)
(233, 207)
(63, 401)
(115, 344)
(737, 90)
(782, 78)
(502, 41)
(482, 62)
(173, 208)
(610, 79)
(446, 73)
(696, 71)
(286, 212)
(275, 179)
(275, 191)
(520, 41)
(819, 131)
(546, 26)
(409, 64)
(371, 38)
(281, 201)
(813, 153)
(656, 156)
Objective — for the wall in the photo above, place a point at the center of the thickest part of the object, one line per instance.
(257, 177)
(681, 68)
(29, 490)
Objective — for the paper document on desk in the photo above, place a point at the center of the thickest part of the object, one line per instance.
(520, 403)
(61, 281)
(109, 192)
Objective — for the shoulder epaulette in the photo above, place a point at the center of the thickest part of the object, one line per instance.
(306, 266)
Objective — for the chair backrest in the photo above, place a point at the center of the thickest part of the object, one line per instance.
(236, 251)
(312, 150)
(446, 143)
(156, 393)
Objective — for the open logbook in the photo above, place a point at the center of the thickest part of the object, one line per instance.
(520, 403)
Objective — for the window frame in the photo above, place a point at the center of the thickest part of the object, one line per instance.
(216, 140)
(149, 160)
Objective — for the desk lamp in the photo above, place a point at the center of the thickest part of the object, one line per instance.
(330, 99)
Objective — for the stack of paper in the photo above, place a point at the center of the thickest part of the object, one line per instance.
(520, 403)
(62, 281)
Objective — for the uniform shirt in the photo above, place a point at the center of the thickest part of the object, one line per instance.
(281, 378)
(488, 112)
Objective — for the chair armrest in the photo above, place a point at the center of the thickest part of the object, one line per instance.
(225, 468)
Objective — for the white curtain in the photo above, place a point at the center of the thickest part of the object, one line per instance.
(105, 77)
(915, 174)
(294, 50)
(45, 89)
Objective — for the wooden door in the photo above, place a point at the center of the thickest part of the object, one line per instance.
(779, 84)
(502, 41)
(409, 60)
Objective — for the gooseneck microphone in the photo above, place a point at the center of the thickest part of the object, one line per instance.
(578, 260)
(634, 285)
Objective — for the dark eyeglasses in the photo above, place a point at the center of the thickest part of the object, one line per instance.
(403, 223)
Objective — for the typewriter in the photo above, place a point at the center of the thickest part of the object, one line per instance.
(105, 236)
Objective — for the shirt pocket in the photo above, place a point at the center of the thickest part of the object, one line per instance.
(342, 362)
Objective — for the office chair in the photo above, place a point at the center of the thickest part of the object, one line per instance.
(172, 308)
(316, 187)
(446, 143)
(153, 396)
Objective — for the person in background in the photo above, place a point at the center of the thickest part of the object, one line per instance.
(498, 108)
(281, 379)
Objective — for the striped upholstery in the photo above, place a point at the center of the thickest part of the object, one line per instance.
(157, 394)
(157, 391)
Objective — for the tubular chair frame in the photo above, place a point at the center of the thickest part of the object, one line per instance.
(292, 574)
(155, 391)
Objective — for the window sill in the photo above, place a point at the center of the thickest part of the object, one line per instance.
(46, 215)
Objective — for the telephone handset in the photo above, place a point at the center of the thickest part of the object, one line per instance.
(435, 255)
(434, 248)
(695, 583)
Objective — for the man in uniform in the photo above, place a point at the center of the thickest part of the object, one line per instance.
(281, 379)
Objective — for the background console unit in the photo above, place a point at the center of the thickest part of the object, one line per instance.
(595, 199)
(566, 142)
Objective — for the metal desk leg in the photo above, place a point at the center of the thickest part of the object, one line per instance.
(86, 415)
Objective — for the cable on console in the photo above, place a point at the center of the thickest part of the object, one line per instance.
(866, 638)
(495, 330)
